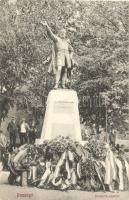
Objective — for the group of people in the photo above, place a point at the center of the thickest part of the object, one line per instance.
(27, 132)
(97, 132)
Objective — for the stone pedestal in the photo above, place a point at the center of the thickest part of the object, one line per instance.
(62, 115)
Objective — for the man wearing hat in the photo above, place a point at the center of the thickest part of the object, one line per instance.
(12, 130)
(24, 129)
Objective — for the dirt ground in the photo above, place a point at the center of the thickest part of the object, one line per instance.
(8, 192)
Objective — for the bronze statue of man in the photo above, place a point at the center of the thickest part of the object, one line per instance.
(62, 56)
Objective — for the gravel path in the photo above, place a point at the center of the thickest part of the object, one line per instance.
(8, 192)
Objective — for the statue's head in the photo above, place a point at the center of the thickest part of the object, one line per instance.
(62, 33)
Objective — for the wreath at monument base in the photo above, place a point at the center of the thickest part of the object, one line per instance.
(66, 164)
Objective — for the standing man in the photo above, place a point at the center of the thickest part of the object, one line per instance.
(32, 132)
(102, 134)
(12, 129)
(3, 150)
(62, 56)
(24, 131)
(82, 128)
(94, 132)
(112, 138)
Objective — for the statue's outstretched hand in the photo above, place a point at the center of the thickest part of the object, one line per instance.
(44, 23)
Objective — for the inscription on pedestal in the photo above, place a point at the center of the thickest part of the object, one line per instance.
(62, 115)
(63, 107)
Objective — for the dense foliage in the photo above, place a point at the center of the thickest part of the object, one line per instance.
(99, 35)
(96, 149)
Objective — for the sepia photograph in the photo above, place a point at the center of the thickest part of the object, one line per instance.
(64, 107)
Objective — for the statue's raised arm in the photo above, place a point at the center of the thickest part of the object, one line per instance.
(49, 31)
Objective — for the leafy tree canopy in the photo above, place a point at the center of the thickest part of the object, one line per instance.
(98, 32)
